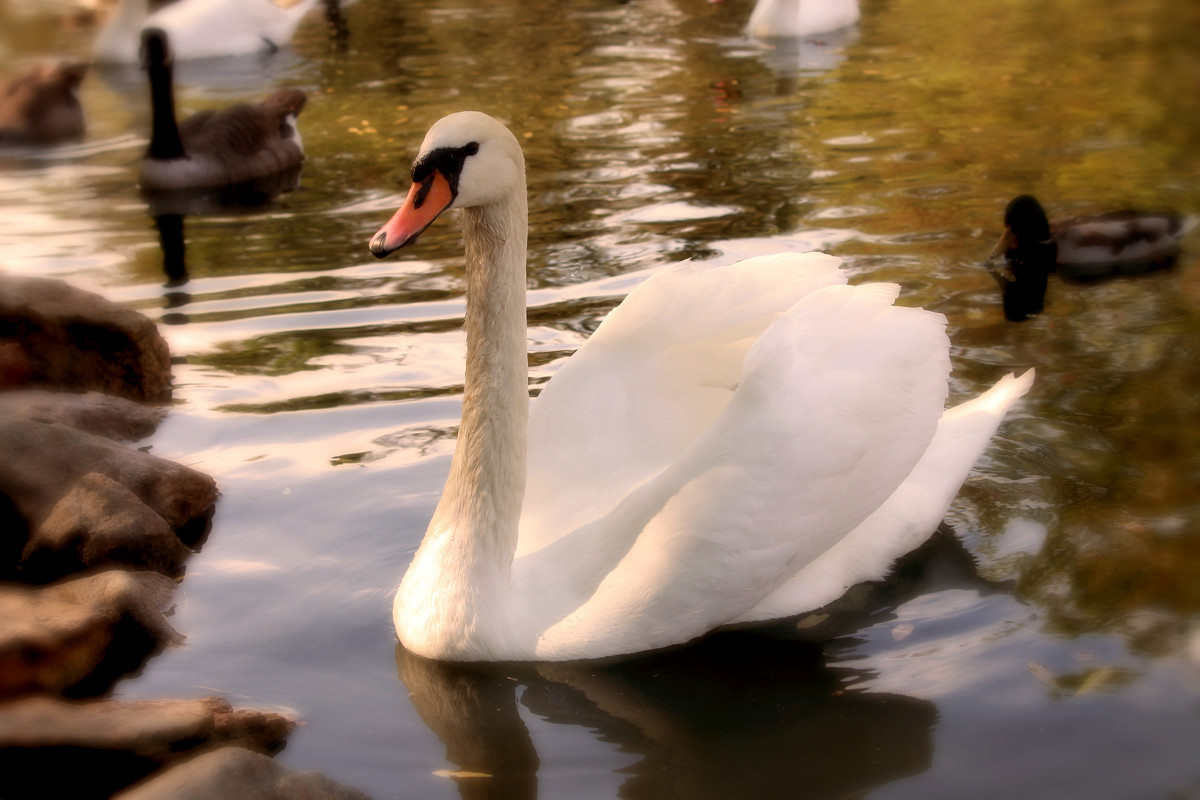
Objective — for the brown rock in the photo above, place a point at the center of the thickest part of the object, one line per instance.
(100, 414)
(82, 634)
(151, 729)
(48, 645)
(62, 748)
(101, 522)
(140, 597)
(260, 731)
(77, 340)
(40, 462)
(233, 772)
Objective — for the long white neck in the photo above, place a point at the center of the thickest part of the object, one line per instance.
(482, 499)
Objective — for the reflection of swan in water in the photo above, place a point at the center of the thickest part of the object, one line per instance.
(736, 715)
(803, 35)
(808, 54)
(733, 715)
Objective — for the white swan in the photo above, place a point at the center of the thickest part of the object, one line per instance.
(733, 444)
(199, 28)
(773, 19)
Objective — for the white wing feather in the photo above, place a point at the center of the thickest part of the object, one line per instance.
(908, 517)
(837, 402)
(655, 374)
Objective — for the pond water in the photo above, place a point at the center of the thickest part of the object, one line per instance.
(321, 387)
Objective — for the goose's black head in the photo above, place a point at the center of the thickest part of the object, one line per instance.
(156, 49)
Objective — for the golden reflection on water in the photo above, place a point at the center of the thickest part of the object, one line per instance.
(655, 132)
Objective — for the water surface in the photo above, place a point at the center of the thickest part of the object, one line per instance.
(322, 388)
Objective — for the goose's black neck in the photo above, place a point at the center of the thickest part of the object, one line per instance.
(165, 142)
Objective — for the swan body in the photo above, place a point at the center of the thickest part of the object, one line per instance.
(732, 444)
(773, 19)
(215, 149)
(199, 28)
(1083, 247)
(41, 105)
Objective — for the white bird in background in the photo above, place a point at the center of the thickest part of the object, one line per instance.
(733, 444)
(199, 28)
(776, 19)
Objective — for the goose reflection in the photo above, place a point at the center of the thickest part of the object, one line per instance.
(169, 209)
(737, 714)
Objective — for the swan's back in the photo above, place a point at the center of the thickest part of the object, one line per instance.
(674, 516)
(200, 29)
(216, 28)
(669, 359)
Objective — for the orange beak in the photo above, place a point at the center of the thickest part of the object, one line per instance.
(425, 201)
(1007, 239)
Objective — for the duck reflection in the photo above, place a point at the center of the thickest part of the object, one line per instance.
(755, 713)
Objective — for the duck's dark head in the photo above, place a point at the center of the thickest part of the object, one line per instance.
(1026, 238)
(1026, 218)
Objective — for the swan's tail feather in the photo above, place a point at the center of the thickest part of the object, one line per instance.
(999, 398)
(908, 517)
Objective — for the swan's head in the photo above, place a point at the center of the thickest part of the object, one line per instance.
(467, 159)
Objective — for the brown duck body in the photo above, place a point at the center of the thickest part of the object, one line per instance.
(215, 149)
(1090, 246)
(1120, 242)
(41, 105)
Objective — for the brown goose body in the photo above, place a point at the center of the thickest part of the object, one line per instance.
(215, 149)
(41, 105)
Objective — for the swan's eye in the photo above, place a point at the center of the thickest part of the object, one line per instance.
(446, 160)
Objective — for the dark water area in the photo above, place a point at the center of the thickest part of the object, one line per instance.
(321, 387)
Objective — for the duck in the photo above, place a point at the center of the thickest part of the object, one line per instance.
(214, 148)
(199, 29)
(40, 106)
(1082, 248)
(733, 444)
(779, 19)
